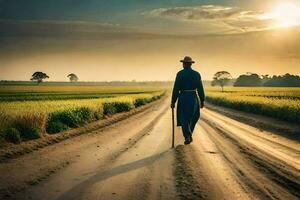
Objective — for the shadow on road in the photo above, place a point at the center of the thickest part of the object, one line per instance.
(74, 193)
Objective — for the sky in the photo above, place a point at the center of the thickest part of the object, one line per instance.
(121, 40)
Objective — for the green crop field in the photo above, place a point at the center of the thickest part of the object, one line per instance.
(28, 112)
(280, 103)
(27, 93)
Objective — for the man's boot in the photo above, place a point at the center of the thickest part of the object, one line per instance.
(187, 141)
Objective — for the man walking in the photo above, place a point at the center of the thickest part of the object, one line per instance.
(188, 89)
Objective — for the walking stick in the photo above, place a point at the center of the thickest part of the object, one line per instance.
(173, 128)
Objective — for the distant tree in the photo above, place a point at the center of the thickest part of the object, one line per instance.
(265, 78)
(248, 80)
(39, 77)
(286, 80)
(221, 78)
(73, 77)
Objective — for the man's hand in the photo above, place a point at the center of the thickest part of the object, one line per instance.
(202, 104)
(172, 105)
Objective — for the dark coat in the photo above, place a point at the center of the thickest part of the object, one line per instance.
(188, 101)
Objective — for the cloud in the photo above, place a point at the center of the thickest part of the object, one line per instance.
(73, 30)
(46, 36)
(54, 28)
(235, 18)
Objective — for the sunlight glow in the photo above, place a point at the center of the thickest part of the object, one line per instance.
(285, 14)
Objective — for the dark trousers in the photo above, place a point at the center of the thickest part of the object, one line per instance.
(188, 126)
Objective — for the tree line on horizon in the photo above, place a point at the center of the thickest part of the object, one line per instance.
(40, 76)
(224, 78)
(221, 78)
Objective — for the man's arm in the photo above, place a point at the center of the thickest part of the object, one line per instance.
(200, 90)
(175, 92)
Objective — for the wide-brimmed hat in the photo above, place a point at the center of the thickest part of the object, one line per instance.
(187, 59)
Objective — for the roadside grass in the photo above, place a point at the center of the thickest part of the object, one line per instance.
(110, 108)
(12, 135)
(27, 120)
(141, 101)
(31, 126)
(280, 103)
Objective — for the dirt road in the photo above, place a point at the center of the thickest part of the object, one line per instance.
(133, 160)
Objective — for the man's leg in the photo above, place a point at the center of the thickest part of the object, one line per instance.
(195, 119)
(186, 130)
(193, 124)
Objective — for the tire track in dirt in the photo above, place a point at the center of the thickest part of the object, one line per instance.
(284, 148)
(239, 167)
(275, 174)
(267, 175)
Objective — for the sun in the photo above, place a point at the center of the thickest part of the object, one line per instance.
(286, 14)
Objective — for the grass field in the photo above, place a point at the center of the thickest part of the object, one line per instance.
(27, 93)
(280, 103)
(28, 112)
